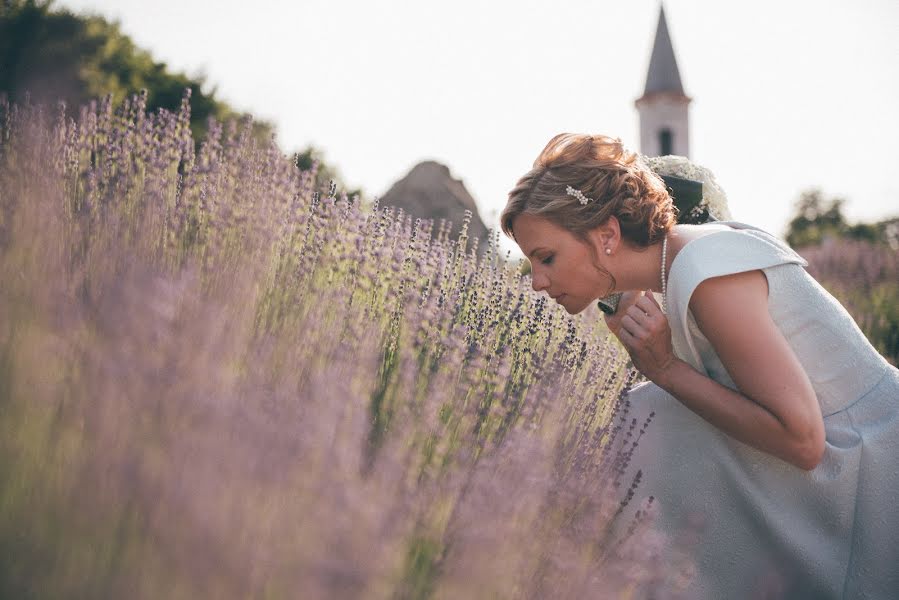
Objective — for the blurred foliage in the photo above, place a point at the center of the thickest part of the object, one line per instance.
(876, 312)
(53, 55)
(857, 263)
(880, 317)
(818, 219)
(324, 173)
(864, 277)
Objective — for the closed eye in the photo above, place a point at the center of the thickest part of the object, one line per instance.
(548, 260)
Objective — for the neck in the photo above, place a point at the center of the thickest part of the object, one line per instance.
(641, 268)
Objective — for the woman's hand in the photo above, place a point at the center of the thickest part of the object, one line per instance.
(642, 328)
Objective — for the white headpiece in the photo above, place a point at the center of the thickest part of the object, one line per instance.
(578, 194)
(713, 197)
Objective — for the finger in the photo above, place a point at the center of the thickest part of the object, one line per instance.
(647, 305)
(652, 298)
(632, 327)
(627, 339)
(627, 300)
(613, 322)
(638, 315)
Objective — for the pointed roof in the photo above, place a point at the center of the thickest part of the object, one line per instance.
(663, 74)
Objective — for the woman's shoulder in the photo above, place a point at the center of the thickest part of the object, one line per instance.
(710, 251)
(683, 235)
(724, 247)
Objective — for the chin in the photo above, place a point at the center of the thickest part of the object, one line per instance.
(574, 308)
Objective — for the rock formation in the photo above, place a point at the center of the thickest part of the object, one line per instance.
(430, 192)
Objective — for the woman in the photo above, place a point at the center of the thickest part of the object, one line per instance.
(777, 423)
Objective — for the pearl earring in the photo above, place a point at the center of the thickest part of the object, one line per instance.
(608, 251)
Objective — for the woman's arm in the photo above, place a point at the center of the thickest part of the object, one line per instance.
(775, 409)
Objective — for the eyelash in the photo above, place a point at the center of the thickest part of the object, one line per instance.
(548, 260)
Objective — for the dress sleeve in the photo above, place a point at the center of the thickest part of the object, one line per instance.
(736, 250)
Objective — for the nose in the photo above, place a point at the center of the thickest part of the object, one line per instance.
(539, 281)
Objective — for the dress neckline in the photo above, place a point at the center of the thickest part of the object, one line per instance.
(725, 227)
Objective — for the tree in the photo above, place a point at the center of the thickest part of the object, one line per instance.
(49, 55)
(52, 55)
(816, 219)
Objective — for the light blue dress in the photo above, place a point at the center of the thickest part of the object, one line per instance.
(767, 529)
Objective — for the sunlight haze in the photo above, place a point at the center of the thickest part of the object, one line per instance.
(786, 95)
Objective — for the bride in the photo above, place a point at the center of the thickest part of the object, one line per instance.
(776, 422)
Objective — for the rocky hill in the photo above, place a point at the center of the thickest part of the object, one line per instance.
(429, 191)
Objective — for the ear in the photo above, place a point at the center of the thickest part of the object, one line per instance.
(606, 236)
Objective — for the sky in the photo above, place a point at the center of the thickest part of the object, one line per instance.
(787, 95)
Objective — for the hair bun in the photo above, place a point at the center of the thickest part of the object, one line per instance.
(602, 169)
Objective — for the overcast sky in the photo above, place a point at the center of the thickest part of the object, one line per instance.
(787, 95)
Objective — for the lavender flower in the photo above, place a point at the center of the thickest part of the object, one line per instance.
(218, 381)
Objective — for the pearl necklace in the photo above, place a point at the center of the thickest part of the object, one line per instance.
(664, 281)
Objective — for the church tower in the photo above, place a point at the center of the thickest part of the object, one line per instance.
(663, 107)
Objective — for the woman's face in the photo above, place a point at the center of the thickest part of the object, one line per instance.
(562, 264)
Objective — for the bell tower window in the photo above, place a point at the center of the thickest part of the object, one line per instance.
(666, 142)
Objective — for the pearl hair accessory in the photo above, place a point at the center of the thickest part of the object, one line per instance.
(578, 194)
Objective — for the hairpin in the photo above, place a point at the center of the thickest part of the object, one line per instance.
(578, 194)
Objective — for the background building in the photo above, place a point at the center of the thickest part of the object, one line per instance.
(664, 107)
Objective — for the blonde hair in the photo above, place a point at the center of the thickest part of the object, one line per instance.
(616, 181)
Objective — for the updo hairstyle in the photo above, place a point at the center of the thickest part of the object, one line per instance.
(616, 181)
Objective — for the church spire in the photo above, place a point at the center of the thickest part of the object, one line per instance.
(664, 107)
(663, 74)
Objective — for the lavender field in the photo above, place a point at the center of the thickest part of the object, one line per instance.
(218, 381)
(864, 277)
